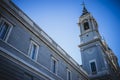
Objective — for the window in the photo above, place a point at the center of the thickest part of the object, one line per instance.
(5, 28)
(86, 26)
(69, 76)
(33, 50)
(93, 68)
(54, 65)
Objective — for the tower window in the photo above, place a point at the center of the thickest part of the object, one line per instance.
(93, 67)
(86, 26)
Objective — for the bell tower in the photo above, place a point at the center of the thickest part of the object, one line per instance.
(94, 50)
(88, 27)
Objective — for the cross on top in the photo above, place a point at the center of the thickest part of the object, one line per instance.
(83, 3)
(84, 8)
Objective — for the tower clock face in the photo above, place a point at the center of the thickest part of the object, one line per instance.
(90, 50)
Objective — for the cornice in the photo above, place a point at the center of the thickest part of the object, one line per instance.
(89, 42)
(90, 30)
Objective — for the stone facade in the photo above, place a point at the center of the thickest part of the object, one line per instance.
(28, 53)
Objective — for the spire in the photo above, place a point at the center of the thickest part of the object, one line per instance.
(84, 11)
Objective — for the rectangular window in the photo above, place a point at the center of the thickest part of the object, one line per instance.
(5, 28)
(33, 50)
(93, 67)
(54, 65)
(69, 76)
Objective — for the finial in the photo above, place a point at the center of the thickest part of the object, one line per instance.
(84, 8)
(83, 3)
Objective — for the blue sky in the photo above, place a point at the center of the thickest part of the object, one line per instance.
(59, 18)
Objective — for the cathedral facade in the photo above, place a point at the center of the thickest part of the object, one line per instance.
(28, 53)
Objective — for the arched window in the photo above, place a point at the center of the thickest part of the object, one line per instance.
(86, 26)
